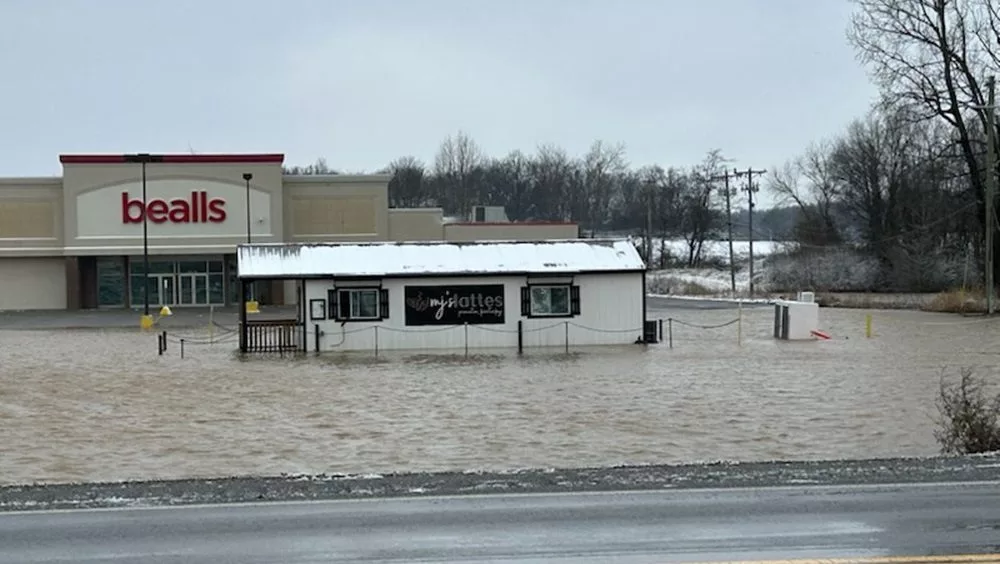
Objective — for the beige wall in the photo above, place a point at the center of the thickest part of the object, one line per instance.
(93, 202)
(416, 224)
(31, 217)
(332, 208)
(509, 231)
(32, 283)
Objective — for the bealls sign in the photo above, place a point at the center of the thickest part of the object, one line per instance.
(198, 208)
(454, 305)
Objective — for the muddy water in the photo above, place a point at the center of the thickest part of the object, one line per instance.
(101, 405)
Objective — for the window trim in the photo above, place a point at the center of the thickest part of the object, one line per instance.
(336, 294)
(573, 300)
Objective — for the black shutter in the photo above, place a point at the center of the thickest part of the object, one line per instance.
(332, 311)
(345, 304)
(383, 303)
(525, 301)
(574, 300)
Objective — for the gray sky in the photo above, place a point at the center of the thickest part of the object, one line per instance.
(362, 82)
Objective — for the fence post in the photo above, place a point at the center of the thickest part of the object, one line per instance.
(466, 339)
(670, 331)
(566, 325)
(316, 336)
(660, 328)
(159, 344)
(182, 348)
(520, 336)
(376, 340)
(164, 340)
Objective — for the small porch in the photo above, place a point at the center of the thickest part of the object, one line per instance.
(275, 331)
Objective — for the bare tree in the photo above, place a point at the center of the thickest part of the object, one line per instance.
(603, 168)
(807, 183)
(552, 173)
(931, 56)
(700, 215)
(457, 165)
(406, 188)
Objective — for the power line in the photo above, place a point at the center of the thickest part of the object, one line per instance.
(729, 221)
(751, 189)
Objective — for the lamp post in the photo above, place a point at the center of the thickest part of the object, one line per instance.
(251, 304)
(142, 158)
(248, 176)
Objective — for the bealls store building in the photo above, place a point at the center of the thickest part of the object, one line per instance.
(77, 241)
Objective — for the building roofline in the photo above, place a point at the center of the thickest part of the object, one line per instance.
(207, 158)
(12, 180)
(325, 178)
(490, 242)
(464, 274)
(514, 223)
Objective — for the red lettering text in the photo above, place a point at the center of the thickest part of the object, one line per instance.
(199, 208)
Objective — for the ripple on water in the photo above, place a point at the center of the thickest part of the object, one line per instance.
(102, 405)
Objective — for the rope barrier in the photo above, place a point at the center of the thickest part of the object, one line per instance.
(697, 326)
(291, 334)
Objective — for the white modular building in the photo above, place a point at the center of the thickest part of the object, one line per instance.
(450, 295)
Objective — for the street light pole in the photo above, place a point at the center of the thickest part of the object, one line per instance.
(142, 159)
(250, 305)
(248, 176)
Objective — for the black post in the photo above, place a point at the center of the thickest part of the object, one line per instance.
(243, 317)
(247, 177)
(316, 336)
(142, 159)
(145, 245)
(520, 336)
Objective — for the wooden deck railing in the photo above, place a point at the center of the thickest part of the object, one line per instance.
(273, 335)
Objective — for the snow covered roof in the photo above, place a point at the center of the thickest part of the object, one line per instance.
(310, 260)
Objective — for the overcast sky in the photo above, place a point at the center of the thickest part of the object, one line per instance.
(364, 81)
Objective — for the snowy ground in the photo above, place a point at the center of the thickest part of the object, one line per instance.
(710, 281)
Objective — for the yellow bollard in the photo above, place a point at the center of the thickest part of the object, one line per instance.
(868, 326)
(146, 322)
(252, 306)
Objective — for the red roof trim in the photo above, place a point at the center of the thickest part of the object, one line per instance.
(511, 223)
(179, 158)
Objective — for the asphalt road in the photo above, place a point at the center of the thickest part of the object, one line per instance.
(660, 526)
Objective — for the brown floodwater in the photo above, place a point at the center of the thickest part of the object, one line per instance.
(102, 405)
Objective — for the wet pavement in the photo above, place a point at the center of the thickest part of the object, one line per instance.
(891, 521)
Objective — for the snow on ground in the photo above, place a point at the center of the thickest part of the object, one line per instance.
(678, 248)
(710, 281)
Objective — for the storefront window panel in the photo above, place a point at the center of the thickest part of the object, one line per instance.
(110, 281)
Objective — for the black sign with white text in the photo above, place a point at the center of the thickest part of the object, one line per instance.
(454, 305)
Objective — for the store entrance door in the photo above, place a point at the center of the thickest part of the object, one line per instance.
(163, 295)
(193, 289)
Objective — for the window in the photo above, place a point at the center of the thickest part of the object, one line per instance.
(554, 300)
(358, 304)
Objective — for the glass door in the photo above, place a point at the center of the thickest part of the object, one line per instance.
(201, 289)
(166, 293)
(186, 290)
(192, 289)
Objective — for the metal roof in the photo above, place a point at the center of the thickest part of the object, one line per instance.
(392, 259)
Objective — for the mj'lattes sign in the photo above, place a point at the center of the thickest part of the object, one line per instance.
(454, 305)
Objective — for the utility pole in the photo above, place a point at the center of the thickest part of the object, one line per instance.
(729, 222)
(751, 190)
(649, 225)
(991, 177)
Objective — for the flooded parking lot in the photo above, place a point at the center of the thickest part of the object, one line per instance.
(102, 405)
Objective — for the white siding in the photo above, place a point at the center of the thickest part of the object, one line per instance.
(611, 313)
(32, 283)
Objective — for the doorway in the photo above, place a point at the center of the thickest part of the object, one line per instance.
(193, 289)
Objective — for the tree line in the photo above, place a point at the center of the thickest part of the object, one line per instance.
(600, 190)
(896, 201)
